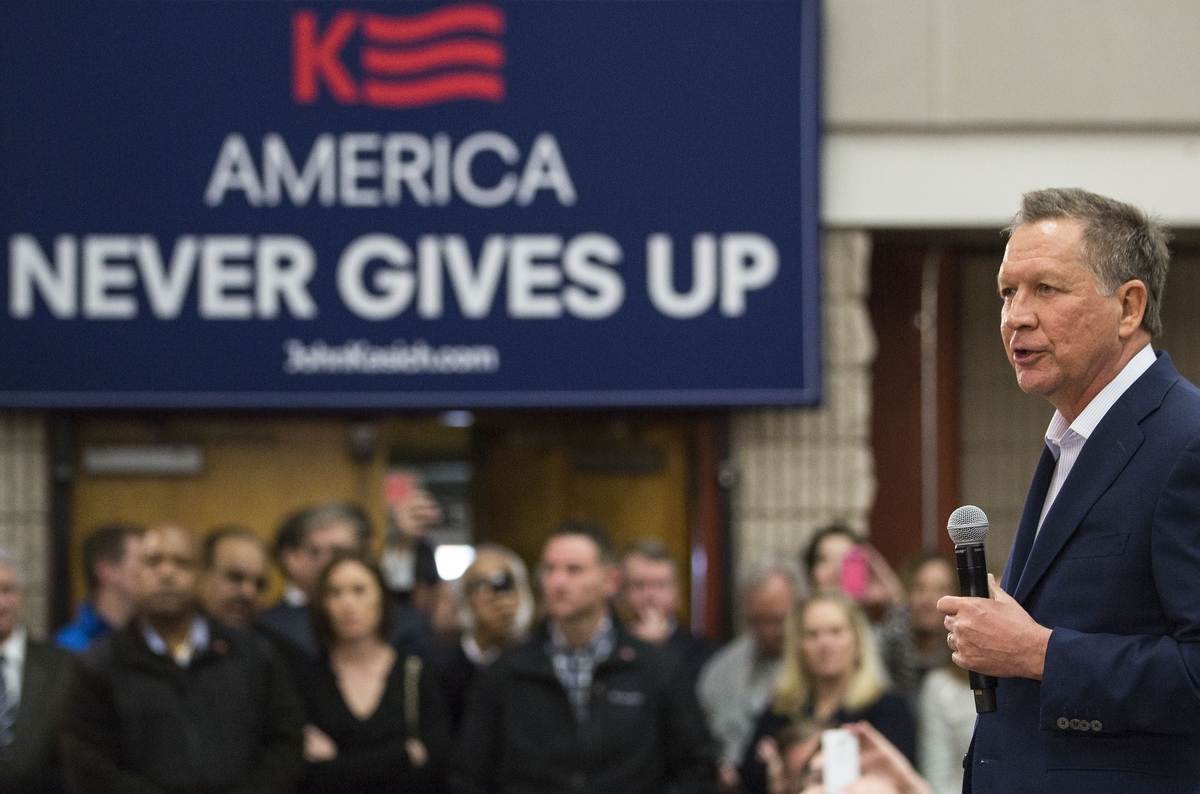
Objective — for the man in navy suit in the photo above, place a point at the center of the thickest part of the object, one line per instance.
(1097, 648)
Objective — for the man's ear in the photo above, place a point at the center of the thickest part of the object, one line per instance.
(287, 560)
(107, 573)
(612, 580)
(1133, 297)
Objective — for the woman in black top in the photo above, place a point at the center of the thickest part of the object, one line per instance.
(831, 675)
(377, 725)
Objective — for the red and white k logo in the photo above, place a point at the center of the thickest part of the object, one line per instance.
(448, 54)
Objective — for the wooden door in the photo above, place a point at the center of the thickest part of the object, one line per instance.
(531, 472)
(628, 473)
(255, 472)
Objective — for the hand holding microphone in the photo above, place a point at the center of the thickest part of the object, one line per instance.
(991, 637)
(968, 528)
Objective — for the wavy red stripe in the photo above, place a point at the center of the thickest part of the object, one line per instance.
(450, 53)
(478, 17)
(430, 90)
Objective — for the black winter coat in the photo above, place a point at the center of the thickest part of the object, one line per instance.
(137, 722)
(520, 736)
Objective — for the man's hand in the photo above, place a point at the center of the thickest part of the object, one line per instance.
(995, 636)
(883, 586)
(728, 778)
(318, 746)
(417, 513)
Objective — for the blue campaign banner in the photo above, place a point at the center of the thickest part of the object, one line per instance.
(464, 204)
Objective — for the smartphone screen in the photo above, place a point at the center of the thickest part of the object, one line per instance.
(839, 751)
(854, 573)
(398, 486)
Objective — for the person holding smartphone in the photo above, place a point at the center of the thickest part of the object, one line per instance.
(796, 763)
(838, 560)
(831, 675)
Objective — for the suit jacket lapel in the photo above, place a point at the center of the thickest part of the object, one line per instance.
(30, 712)
(1106, 453)
(1102, 459)
(1027, 529)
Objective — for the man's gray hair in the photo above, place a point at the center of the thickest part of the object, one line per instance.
(757, 573)
(9, 557)
(326, 515)
(1120, 242)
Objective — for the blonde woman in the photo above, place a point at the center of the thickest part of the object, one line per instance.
(832, 675)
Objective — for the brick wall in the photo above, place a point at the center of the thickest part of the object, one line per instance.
(798, 469)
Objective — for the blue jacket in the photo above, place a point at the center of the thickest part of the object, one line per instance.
(87, 627)
(1115, 574)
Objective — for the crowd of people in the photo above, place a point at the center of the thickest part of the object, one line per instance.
(372, 675)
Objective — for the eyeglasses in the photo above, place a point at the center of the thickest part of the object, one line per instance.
(498, 582)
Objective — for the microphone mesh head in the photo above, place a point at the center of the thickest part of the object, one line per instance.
(968, 524)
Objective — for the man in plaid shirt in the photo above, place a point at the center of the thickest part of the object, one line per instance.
(583, 705)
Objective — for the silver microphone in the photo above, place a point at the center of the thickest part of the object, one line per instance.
(968, 528)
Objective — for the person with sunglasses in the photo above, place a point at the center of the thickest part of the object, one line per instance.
(495, 607)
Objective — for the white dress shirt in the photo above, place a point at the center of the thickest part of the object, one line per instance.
(14, 663)
(399, 569)
(197, 641)
(1066, 441)
(294, 596)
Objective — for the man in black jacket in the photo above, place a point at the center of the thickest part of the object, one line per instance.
(650, 592)
(176, 703)
(582, 706)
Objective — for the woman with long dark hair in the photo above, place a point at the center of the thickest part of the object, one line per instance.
(376, 721)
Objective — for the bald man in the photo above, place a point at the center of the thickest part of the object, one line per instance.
(176, 702)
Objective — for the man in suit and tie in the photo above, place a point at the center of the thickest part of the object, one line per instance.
(34, 677)
(1094, 631)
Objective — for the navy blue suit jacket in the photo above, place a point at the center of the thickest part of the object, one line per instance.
(1115, 572)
